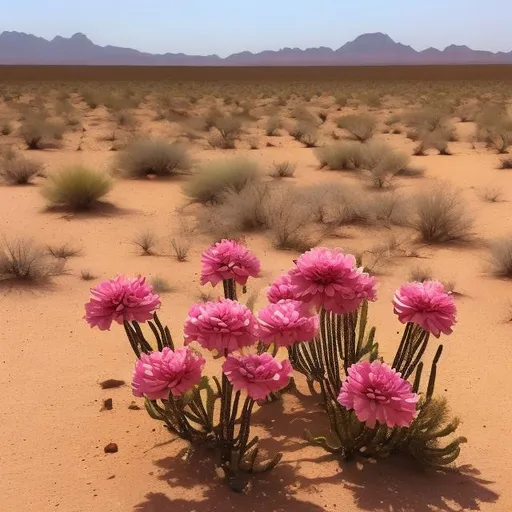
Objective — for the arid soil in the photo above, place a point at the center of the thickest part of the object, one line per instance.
(53, 429)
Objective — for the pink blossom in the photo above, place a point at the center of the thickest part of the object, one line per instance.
(228, 259)
(330, 279)
(286, 323)
(281, 289)
(121, 299)
(158, 373)
(225, 325)
(377, 393)
(259, 375)
(427, 305)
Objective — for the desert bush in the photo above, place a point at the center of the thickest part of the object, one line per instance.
(306, 133)
(160, 285)
(361, 126)
(63, 251)
(228, 131)
(491, 194)
(284, 169)
(76, 188)
(18, 170)
(87, 275)
(145, 241)
(494, 127)
(341, 101)
(22, 260)
(92, 98)
(442, 215)
(501, 257)
(39, 133)
(214, 179)
(273, 125)
(467, 112)
(381, 162)
(144, 157)
(289, 215)
(180, 247)
(340, 156)
(5, 127)
(420, 274)
(125, 119)
(506, 163)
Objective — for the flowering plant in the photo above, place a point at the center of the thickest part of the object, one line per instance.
(373, 408)
(213, 412)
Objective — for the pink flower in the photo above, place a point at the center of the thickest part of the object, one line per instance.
(259, 375)
(228, 259)
(222, 325)
(330, 279)
(377, 393)
(281, 289)
(158, 373)
(427, 305)
(121, 299)
(286, 323)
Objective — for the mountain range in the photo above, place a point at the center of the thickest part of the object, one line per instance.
(18, 48)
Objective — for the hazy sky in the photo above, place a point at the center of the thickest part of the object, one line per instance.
(228, 26)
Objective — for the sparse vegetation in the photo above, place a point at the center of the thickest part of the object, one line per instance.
(361, 126)
(76, 188)
(180, 247)
(23, 261)
(18, 170)
(340, 156)
(442, 215)
(284, 169)
(272, 126)
(38, 133)
(144, 157)
(145, 241)
(306, 133)
(501, 257)
(160, 285)
(63, 251)
(214, 179)
(87, 275)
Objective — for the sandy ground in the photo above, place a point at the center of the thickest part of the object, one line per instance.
(53, 431)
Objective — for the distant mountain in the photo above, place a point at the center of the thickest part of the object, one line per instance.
(365, 50)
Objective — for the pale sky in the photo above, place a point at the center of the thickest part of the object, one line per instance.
(229, 26)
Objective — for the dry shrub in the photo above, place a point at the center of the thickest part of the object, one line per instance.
(22, 260)
(491, 194)
(361, 126)
(494, 127)
(383, 253)
(442, 215)
(63, 251)
(145, 241)
(340, 156)
(289, 214)
(5, 127)
(214, 179)
(18, 170)
(145, 157)
(125, 119)
(86, 275)
(381, 162)
(506, 163)
(420, 274)
(273, 125)
(341, 101)
(180, 247)
(306, 133)
(284, 169)
(76, 188)
(228, 131)
(39, 133)
(501, 257)
(160, 285)
(467, 112)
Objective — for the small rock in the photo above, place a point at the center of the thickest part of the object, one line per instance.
(111, 477)
(111, 448)
(220, 472)
(134, 407)
(107, 404)
(112, 383)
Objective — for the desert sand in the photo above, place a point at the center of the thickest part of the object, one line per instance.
(53, 430)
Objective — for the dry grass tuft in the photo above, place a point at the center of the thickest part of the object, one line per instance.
(146, 241)
(18, 170)
(181, 248)
(340, 156)
(501, 257)
(210, 184)
(63, 251)
(23, 261)
(361, 126)
(76, 188)
(442, 215)
(38, 133)
(145, 157)
(284, 169)
(161, 285)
